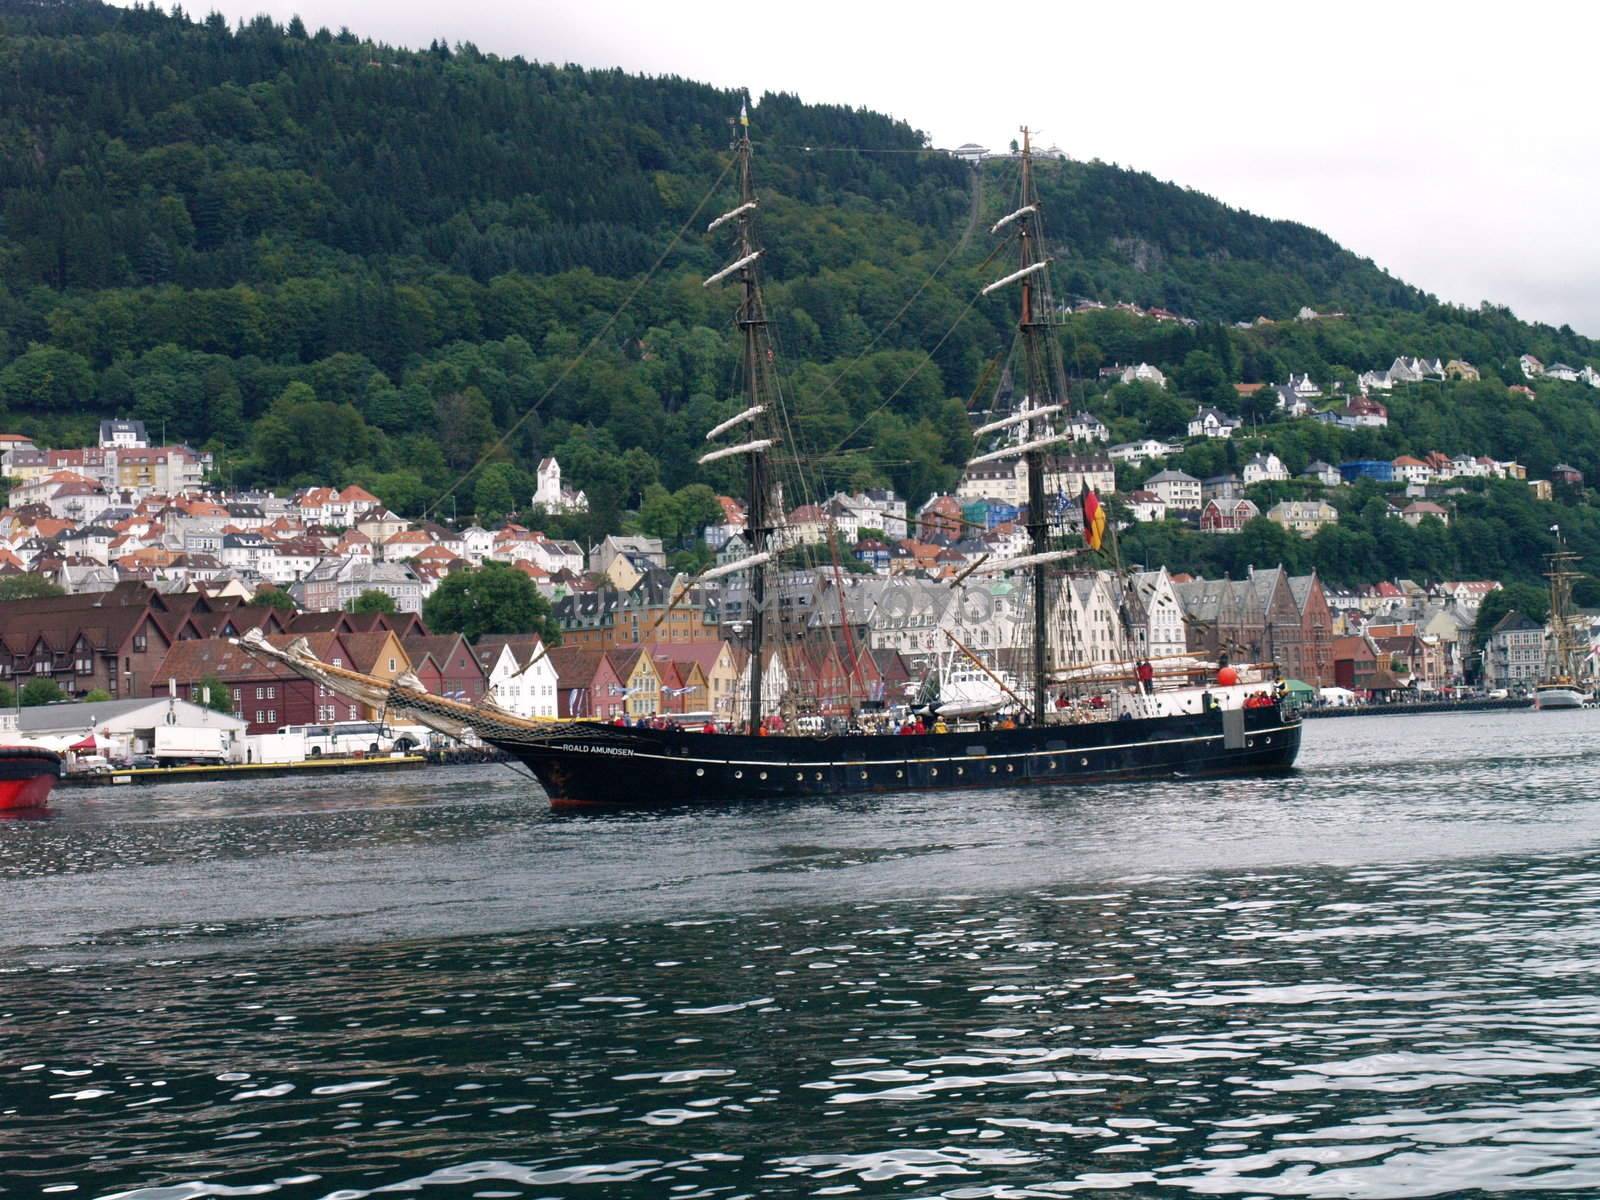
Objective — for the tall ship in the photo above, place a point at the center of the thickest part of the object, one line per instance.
(1561, 686)
(1039, 711)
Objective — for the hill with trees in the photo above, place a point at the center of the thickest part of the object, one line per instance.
(334, 261)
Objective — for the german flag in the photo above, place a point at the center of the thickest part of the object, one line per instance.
(1094, 519)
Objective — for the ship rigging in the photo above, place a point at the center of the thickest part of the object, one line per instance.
(1200, 721)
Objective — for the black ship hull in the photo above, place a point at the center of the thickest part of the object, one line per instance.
(616, 767)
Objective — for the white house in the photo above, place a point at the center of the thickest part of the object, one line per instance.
(1158, 627)
(1213, 423)
(1144, 373)
(1412, 470)
(1146, 506)
(1140, 451)
(1303, 385)
(1006, 479)
(477, 543)
(1324, 473)
(1290, 402)
(1590, 376)
(1363, 412)
(1378, 381)
(1532, 368)
(1176, 488)
(123, 435)
(1085, 427)
(554, 498)
(1562, 372)
(522, 679)
(1262, 467)
(1414, 370)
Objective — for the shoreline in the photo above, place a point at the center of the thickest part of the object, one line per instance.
(1424, 709)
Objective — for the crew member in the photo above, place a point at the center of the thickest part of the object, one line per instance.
(1147, 676)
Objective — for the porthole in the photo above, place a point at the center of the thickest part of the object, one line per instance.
(899, 774)
(933, 771)
(961, 770)
(1052, 764)
(993, 770)
(738, 774)
(799, 776)
(863, 774)
(1251, 742)
(763, 774)
(819, 776)
(1010, 768)
(1269, 741)
(699, 771)
(1084, 761)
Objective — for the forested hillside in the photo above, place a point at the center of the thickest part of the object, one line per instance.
(335, 261)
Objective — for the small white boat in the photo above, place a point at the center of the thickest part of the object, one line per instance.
(969, 691)
(1557, 695)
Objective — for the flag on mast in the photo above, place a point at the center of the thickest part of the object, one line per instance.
(1094, 518)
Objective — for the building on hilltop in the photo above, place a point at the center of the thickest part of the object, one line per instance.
(551, 496)
(123, 435)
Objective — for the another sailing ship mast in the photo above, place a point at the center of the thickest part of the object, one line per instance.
(752, 322)
(1045, 384)
(1561, 576)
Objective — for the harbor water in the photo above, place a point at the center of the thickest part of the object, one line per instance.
(1377, 978)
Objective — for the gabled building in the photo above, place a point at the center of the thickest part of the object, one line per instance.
(447, 666)
(1304, 517)
(1213, 423)
(1514, 652)
(1179, 490)
(521, 674)
(1227, 516)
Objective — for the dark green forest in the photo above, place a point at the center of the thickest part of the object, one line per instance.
(332, 261)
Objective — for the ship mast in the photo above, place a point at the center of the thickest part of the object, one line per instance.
(752, 323)
(1561, 575)
(1045, 396)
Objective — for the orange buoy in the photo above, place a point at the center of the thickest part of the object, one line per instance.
(1227, 677)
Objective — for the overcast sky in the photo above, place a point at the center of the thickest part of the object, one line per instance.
(1456, 144)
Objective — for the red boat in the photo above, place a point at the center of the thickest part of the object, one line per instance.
(27, 773)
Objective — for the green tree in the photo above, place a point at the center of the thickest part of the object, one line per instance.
(29, 587)
(495, 598)
(41, 691)
(46, 378)
(96, 695)
(215, 695)
(275, 598)
(494, 492)
(373, 601)
(1532, 602)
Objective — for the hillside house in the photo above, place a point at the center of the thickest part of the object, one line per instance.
(1304, 517)
(1227, 516)
(1213, 423)
(1177, 489)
